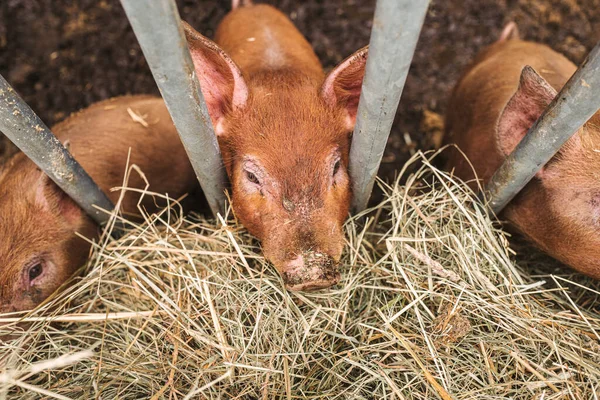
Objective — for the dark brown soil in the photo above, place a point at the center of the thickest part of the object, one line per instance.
(62, 55)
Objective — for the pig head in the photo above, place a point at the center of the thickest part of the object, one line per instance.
(33, 265)
(41, 228)
(496, 102)
(284, 134)
(560, 209)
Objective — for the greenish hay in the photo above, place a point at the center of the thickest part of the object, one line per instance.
(431, 306)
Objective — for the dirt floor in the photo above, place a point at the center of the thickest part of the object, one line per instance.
(62, 55)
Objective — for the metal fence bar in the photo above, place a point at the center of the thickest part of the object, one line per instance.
(157, 27)
(27, 131)
(576, 103)
(396, 28)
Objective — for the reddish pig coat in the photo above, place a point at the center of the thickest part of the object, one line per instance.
(284, 132)
(499, 97)
(38, 221)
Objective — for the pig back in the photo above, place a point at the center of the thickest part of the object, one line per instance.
(259, 38)
(482, 93)
(101, 136)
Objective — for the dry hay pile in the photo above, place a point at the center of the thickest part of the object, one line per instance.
(430, 307)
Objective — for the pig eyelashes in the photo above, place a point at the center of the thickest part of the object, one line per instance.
(33, 270)
(251, 176)
(252, 173)
(336, 167)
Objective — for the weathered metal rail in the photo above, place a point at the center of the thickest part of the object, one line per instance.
(578, 100)
(157, 27)
(27, 131)
(396, 28)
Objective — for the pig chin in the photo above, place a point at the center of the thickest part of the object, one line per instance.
(310, 270)
(307, 270)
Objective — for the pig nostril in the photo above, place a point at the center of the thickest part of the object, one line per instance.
(311, 271)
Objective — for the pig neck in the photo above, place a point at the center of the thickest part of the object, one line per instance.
(265, 44)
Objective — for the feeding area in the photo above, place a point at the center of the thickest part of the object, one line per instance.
(267, 228)
(431, 305)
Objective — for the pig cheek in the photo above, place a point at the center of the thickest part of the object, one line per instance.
(594, 203)
(32, 297)
(277, 234)
(338, 200)
(269, 249)
(277, 239)
(332, 239)
(337, 240)
(248, 208)
(7, 299)
(21, 297)
(336, 212)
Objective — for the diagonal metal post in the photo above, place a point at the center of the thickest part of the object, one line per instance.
(396, 28)
(27, 131)
(576, 103)
(157, 26)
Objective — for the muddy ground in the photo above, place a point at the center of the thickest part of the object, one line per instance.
(62, 55)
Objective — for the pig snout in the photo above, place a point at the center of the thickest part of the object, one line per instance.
(310, 270)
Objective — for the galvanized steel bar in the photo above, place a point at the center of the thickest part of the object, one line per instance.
(576, 103)
(157, 27)
(396, 28)
(27, 131)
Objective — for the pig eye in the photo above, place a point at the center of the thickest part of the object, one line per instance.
(336, 167)
(35, 271)
(251, 176)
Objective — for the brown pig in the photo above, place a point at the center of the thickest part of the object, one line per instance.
(39, 250)
(284, 131)
(494, 104)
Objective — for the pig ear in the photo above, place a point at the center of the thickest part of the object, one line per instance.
(52, 199)
(528, 103)
(343, 85)
(221, 81)
(510, 32)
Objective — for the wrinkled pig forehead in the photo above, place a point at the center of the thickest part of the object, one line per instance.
(22, 231)
(297, 135)
(13, 237)
(295, 114)
(304, 179)
(293, 146)
(297, 160)
(12, 253)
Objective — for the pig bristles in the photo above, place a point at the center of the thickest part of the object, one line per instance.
(431, 305)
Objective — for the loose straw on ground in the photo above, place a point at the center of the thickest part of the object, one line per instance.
(431, 305)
